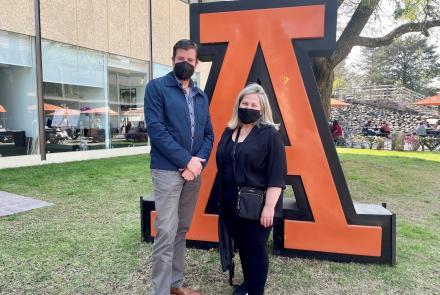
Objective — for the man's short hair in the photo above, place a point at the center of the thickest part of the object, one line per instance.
(185, 44)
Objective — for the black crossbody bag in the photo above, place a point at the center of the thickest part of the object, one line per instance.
(250, 201)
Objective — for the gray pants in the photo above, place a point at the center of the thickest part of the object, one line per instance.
(175, 200)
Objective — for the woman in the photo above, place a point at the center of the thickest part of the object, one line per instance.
(385, 129)
(336, 131)
(260, 163)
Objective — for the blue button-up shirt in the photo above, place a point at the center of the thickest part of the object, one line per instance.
(168, 116)
(189, 95)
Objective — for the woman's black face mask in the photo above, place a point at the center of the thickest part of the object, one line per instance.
(248, 116)
(183, 70)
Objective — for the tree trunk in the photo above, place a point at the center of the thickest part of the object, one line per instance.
(324, 77)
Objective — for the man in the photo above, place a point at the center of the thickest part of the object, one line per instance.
(421, 130)
(180, 130)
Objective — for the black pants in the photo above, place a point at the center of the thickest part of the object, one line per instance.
(251, 240)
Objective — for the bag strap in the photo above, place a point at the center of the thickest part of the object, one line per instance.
(234, 152)
(234, 157)
(234, 147)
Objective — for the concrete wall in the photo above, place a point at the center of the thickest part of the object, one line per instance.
(170, 24)
(115, 26)
(204, 69)
(17, 16)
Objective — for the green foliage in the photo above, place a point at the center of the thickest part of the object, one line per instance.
(409, 62)
(416, 10)
(397, 141)
(339, 82)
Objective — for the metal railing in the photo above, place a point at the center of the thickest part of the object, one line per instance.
(379, 92)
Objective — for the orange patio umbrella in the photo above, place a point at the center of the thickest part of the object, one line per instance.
(134, 112)
(47, 107)
(337, 103)
(2, 109)
(51, 107)
(429, 101)
(101, 111)
(66, 112)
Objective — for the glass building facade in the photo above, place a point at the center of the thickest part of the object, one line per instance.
(92, 99)
(18, 103)
(95, 66)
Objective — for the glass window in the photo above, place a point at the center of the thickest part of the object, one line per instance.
(127, 79)
(16, 49)
(18, 103)
(160, 70)
(77, 116)
(67, 64)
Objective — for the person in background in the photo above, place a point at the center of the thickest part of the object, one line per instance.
(421, 130)
(127, 127)
(367, 129)
(336, 131)
(385, 129)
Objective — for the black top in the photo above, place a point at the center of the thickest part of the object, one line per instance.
(229, 186)
(260, 160)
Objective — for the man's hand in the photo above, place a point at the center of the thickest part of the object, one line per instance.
(195, 166)
(187, 175)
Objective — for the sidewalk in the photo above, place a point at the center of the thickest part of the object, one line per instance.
(35, 160)
(12, 204)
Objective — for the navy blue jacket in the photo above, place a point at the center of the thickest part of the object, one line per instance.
(169, 125)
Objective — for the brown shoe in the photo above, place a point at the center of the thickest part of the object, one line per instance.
(184, 291)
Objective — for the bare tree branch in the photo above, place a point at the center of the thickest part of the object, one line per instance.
(396, 33)
(353, 29)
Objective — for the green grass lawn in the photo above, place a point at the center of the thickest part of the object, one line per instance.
(89, 242)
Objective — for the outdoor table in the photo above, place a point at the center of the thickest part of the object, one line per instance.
(19, 136)
(433, 132)
(433, 143)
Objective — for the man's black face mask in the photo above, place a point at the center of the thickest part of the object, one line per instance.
(183, 70)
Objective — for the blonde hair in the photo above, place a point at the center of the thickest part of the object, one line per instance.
(266, 111)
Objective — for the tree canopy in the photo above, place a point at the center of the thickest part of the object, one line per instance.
(409, 61)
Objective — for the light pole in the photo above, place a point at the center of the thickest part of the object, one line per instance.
(150, 20)
(39, 81)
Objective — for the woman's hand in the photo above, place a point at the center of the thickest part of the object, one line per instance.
(267, 216)
(268, 213)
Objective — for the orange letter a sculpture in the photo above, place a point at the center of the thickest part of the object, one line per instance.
(271, 43)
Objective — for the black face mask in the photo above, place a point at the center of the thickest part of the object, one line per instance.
(183, 70)
(248, 116)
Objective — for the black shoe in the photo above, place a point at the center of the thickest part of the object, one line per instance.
(240, 289)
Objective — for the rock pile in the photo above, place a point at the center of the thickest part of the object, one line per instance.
(400, 118)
